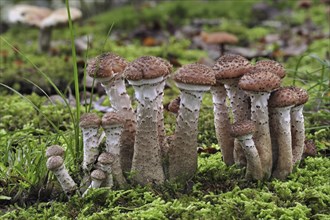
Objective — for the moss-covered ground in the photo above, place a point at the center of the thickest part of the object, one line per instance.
(29, 191)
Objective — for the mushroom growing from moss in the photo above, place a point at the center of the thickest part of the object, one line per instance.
(193, 80)
(108, 69)
(147, 74)
(280, 103)
(56, 165)
(258, 85)
(243, 132)
(97, 177)
(297, 124)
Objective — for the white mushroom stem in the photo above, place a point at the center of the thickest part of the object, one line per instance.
(298, 133)
(113, 135)
(183, 150)
(281, 137)
(222, 123)
(146, 164)
(259, 115)
(121, 103)
(91, 151)
(253, 168)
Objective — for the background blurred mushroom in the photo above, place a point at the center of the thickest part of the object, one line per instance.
(219, 38)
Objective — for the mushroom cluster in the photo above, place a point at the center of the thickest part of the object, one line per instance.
(259, 124)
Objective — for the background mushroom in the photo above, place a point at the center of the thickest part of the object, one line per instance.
(219, 38)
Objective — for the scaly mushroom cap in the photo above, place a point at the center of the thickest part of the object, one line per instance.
(112, 118)
(60, 17)
(242, 128)
(302, 95)
(28, 14)
(147, 67)
(219, 38)
(90, 120)
(231, 66)
(106, 158)
(271, 66)
(195, 74)
(98, 175)
(54, 150)
(54, 162)
(106, 65)
(260, 81)
(283, 97)
(174, 105)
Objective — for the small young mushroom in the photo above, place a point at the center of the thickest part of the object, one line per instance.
(97, 177)
(108, 69)
(112, 124)
(56, 165)
(258, 85)
(193, 80)
(243, 132)
(174, 105)
(297, 124)
(89, 124)
(147, 74)
(54, 150)
(280, 103)
(105, 160)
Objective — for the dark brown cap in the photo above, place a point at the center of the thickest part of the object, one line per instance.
(282, 97)
(147, 67)
(55, 150)
(271, 66)
(231, 66)
(90, 120)
(54, 162)
(195, 74)
(98, 175)
(106, 65)
(106, 158)
(112, 118)
(260, 81)
(242, 128)
(302, 95)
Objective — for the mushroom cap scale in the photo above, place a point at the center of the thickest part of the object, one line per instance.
(242, 128)
(282, 97)
(271, 66)
(260, 81)
(112, 118)
(231, 66)
(60, 17)
(195, 74)
(54, 150)
(147, 67)
(54, 162)
(302, 95)
(106, 65)
(106, 158)
(98, 175)
(90, 120)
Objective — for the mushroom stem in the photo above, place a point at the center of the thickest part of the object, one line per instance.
(146, 164)
(259, 115)
(183, 153)
(222, 123)
(253, 168)
(44, 40)
(297, 132)
(91, 151)
(281, 133)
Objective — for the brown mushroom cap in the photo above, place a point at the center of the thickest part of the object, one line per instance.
(54, 150)
(260, 81)
(147, 67)
(90, 120)
(54, 162)
(219, 38)
(60, 17)
(106, 158)
(98, 175)
(195, 74)
(28, 14)
(242, 128)
(174, 105)
(271, 66)
(106, 65)
(282, 97)
(231, 66)
(112, 118)
(302, 95)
